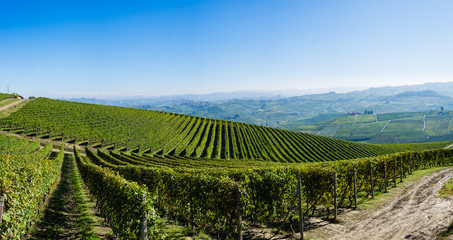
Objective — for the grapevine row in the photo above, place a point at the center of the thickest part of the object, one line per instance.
(192, 194)
(25, 181)
(171, 134)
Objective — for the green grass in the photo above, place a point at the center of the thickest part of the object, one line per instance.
(174, 231)
(402, 131)
(438, 125)
(353, 119)
(404, 127)
(398, 115)
(6, 96)
(346, 130)
(401, 128)
(419, 146)
(447, 189)
(360, 131)
(344, 120)
(7, 101)
(328, 131)
(7, 112)
(66, 215)
(313, 129)
(380, 199)
(369, 129)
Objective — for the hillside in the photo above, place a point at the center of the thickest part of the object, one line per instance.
(178, 162)
(290, 112)
(160, 133)
(403, 127)
(309, 108)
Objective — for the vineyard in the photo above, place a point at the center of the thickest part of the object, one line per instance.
(385, 128)
(168, 134)
(6, 96)
(27, 173)
(206, 196)
(212, 176)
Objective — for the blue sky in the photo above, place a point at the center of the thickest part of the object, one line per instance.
(148, 48)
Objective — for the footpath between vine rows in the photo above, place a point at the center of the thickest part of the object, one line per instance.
(70, 213)
(413, 211)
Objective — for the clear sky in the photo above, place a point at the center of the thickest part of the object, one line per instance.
(123, 48)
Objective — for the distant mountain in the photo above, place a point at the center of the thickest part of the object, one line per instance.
(217, 97)
(276, 110)
(425, 93)
(305, 109)
(211, 97)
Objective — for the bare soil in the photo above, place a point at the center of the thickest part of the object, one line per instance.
(416, 213)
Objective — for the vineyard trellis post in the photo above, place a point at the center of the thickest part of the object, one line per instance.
(144, 221)
(2, 201)
(299, 206)
(238, 209)
(335, 210)
(371, 180)
(402, 170)
(385, 176)
(410, 164)
(416, 163)
(354, 173)
(395, 165)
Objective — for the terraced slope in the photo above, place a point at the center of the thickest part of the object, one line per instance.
(160, 133)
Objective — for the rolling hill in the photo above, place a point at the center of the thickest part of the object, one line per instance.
(291, 112)
(201, 171)
(169, 134)
(403, 127)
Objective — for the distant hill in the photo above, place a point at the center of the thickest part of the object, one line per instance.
(175, 135)
(307, 109)
(425, 93)
(404, 127)
(291, 112)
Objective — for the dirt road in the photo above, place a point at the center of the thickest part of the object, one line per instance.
(417, 213)
(10, 105)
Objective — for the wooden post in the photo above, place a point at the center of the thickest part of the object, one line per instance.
(394, 173)
(410, 165)
(301, 214)
(401, 170)
(355, 186)
(144, 222)
(335, 210)
(385, 176)
(371, 180)
(238, 209)
(2, 201)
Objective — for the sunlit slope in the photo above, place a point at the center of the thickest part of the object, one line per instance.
(402, 127)
(177, 135)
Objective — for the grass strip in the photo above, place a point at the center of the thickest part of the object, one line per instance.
(66, 215)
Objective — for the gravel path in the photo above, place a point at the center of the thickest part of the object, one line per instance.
(417, 213)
